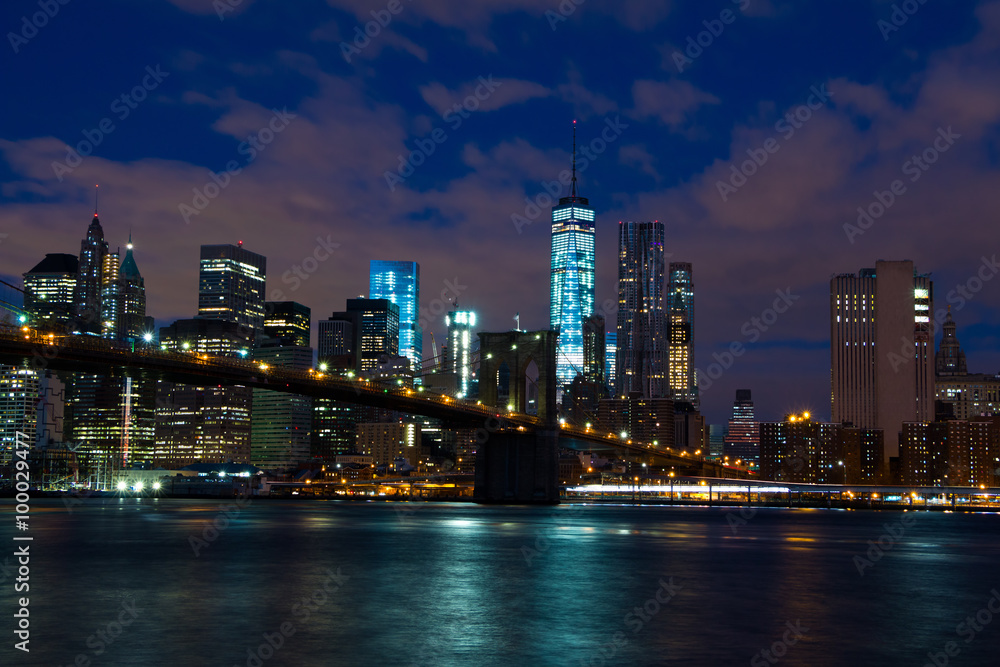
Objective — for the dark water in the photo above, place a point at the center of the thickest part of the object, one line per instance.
(452, 585)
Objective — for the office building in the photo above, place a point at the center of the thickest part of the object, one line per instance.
(18, 393)
(49, 289)
(286, 323)
(641, 345)
(399, 282)
(463, 345)
(378, 323)
(610, 355)
(203, 424)
(639, 419)
(571, 286)
(680, 333)
(231, 286)
(130, 296)
(281, 423)
(882, 349)
(387, 443)
(91, 278)
(594, 352)
(801, 450)
(339, 343)
(743, 437)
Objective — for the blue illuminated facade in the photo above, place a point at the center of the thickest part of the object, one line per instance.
(399, 282)
(571, 289)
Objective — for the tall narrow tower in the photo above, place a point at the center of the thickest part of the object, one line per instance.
(90, 277)
(571, 289)
(641, 352)
(680, 333)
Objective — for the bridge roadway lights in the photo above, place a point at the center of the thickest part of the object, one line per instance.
(518, 468)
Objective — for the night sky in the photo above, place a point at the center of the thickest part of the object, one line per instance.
(336, 118)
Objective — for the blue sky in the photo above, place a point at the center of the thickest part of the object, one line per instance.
(321, 178)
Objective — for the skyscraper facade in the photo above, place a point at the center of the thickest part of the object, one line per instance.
(462, 341)
(642, 345)
(399, 282)
(49, 289)
(610, 357)
(378, 322)
(882, 349)
(231, 285)
(130, 294)
(287, 323)
(571, 286)
(680, 333)
(203, 424)
(594, 354)
(91, 277)
(743, 436)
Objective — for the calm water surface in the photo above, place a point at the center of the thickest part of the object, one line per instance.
(459, 584)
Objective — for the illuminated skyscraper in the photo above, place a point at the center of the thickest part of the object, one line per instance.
(378, 321)
(287, 323)
(130, 294)
(680, 333)
(231, 285)
(882, 349)
(90, 277)
(743, 438)
(461, 339)
(49, 289)
(610, 356)
(642, 345)
(571, 289)
(399, 282)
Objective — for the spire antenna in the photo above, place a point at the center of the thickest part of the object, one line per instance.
(96, 190)
(574, 158)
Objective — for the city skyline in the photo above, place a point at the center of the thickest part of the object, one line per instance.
(300, 205)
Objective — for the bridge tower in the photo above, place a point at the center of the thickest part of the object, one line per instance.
(512, 466)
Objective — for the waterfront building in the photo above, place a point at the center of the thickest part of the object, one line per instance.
(641, 345)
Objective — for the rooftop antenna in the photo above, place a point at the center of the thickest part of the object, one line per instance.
(574, 158)
(96, 191)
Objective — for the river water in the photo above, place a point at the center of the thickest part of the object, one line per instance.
(180, 582)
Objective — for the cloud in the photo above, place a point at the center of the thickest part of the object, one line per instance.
(506, 93)
(671, 102)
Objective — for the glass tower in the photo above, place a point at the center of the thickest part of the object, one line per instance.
(399, 282)
(680, 333)
(571, 289)
(642, 347)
